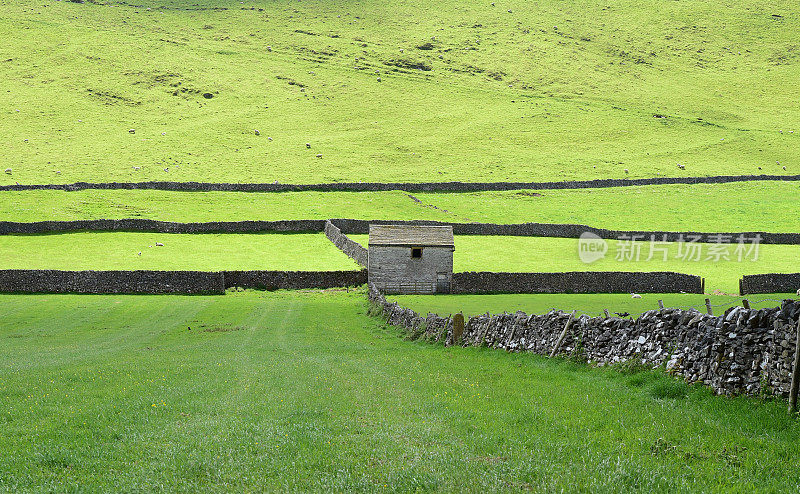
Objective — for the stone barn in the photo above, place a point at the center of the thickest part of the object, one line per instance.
(410, 258)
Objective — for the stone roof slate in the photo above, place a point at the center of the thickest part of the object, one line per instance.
(414, 235)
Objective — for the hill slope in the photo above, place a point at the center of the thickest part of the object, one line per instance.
(467, 91)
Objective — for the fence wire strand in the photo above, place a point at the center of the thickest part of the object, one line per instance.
(699, 308)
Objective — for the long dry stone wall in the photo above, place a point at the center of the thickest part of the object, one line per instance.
(162, 282)
(145, 225)
(576, 282)
(409, 187)
(353, 249)
(151, 282)
(770, 283)
(740, 352)
(354, 226)
(293, 280)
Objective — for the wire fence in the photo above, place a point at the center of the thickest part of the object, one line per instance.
(734, 301)
(700, 308)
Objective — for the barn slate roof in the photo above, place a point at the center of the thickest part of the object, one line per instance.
(437, 236)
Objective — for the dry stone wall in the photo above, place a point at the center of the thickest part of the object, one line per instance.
(150, 282)
(145, 225)
(162, 282)
(409, 187)
(576, 282)
(740, 352)
(355, 226)
(293, 280)
(770, 283)
(353, 249)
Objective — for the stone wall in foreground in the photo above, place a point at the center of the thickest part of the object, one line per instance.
(740, 352)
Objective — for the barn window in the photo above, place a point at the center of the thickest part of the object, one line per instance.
(416, 252)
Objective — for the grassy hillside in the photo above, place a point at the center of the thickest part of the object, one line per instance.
(304, 392)
(467, 91)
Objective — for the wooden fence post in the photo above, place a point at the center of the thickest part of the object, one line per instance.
(746, 303)
(563, 334)
(708, 307)
(795, 372)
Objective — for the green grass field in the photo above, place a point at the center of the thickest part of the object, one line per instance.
(201, 252)
(210, 206)
(467, 91)
(302, 391)
(754, 206)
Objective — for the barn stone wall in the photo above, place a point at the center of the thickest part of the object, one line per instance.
(739, 352)
(393, 270)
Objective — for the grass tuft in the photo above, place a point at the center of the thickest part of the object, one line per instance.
(668, 388)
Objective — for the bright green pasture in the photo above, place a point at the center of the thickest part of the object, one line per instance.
(475, 253)
(301, 391)
(753, 206)
(211, 206)
(385, 91)
(735, 207)
(201, 252)
(542, 254)
(592, 304)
